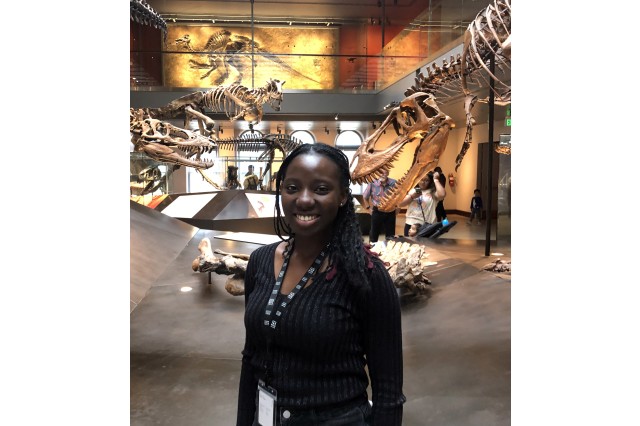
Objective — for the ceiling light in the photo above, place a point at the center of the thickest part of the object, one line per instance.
(336, 117)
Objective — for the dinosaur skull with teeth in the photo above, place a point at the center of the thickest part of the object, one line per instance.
(416, 118)
(167, 143)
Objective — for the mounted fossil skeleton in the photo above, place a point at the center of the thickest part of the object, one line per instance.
(165, 142)
(418, 119)
(266, 144)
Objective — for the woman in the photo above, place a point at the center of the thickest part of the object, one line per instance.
(336, 320)
(421, 202)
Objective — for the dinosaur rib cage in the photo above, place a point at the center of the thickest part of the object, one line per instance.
(218, 99)
(489, 33)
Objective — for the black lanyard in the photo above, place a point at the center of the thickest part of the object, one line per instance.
(268, 313)
(271, 322)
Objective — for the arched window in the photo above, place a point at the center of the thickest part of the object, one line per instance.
(303, 136)
(195, 181)
(349, 141)
(249, 158)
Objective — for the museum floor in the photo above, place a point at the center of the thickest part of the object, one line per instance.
(185, 346)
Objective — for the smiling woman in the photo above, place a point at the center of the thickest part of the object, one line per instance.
(328, 322)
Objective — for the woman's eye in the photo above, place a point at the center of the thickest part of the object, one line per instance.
(290, 188)
(322, 190)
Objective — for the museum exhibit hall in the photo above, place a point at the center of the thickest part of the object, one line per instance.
(221, 92)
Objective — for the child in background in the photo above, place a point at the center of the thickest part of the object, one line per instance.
(413, 230)
(476, 207)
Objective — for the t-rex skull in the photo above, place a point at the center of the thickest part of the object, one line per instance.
(417, 117)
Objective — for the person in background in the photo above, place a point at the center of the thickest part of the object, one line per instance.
(322, 315)
(232, 178)
(421, 201)
(415, 208)
(441, 213)
(380, 221)
(413, 230)
(476, 207)
(250, 179)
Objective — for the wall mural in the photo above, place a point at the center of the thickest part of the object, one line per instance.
(205, 56)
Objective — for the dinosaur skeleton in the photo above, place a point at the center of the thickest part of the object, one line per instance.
(418, 118)
(267, 144)
(407, 264)
(235, 101)
(238, 101)
(168, 143)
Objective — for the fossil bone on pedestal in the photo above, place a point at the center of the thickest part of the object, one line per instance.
(233, 264)
(407, 264)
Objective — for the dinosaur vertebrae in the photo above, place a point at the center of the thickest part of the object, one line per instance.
(259, 142)
(441, 81)
(141, 12)
(488, 34)
(238, 101)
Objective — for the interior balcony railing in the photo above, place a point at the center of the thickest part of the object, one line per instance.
(341, 57)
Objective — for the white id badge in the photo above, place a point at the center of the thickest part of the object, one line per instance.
(267, 397)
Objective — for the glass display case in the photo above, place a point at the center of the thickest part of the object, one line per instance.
(148, 177)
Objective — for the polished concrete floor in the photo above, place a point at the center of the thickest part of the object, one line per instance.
(185, 345)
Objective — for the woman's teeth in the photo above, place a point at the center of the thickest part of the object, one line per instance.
(305, 218)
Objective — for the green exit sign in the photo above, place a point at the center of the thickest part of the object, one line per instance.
(507, 122)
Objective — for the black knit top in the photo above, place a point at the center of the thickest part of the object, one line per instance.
(324, 339)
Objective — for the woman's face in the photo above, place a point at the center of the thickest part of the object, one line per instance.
(424, 183)
(311, 195)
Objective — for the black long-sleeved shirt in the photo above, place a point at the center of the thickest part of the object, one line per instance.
(322, 343)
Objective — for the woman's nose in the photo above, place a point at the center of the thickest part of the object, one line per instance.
(305, 198)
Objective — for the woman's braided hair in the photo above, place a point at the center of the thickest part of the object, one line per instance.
(347, 253)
